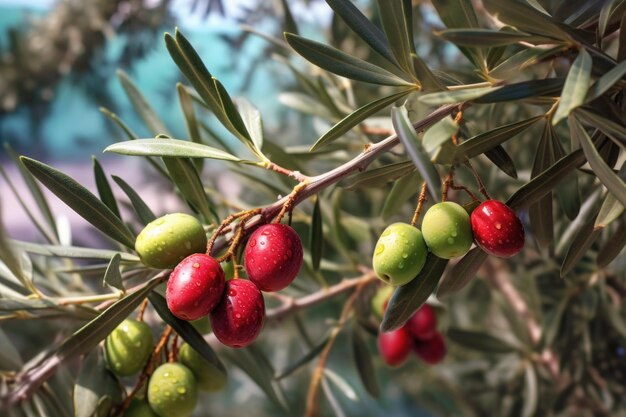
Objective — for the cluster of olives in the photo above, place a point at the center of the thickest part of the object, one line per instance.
(419, 335)
(173, 387)
(448, 232)
(198, 286)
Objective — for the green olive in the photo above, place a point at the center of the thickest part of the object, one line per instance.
(169, 239)
(400, 254)
(380, 299)
(128, 347)
(208, 377)
(447, 230)
(172, 391)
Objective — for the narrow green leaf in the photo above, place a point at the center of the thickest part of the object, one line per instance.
(144, 212)
(439, 133)
(425, 75)
(462, 272)
(546, 87)
(119, 123)
(93, 383)
(615, 131)
(186, 331)
(193, 127)
(613, 247)
(522, 60)
(35, 189)
(394, 22)
(317, 236)
(72, 251)
(540, 213)
(112, 275)
(289, 23)
(364, 363)
(610, 210)
(605, 82)
(340, 383)
(502, 160)
(546, 181)
(305, 359)
(174, 148)
(456, 96)
(579, 246)
(340, 63)
(609, 179)
(406, 299)
(104, 188)
(81, 200)
(480, 341)
(603, 18)
(82, 341)
(526, 18)
(487, 38)
(531, 391)
(141, 105)
(254, 364)
(13, 262)
(576, 86)
(379, 176)
(355, 118)
(252, 120)
(361, 25)
(485, 141)
(401, 191)
(413, 147)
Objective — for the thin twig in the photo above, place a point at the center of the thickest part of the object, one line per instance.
(481, 186)
(420, 203)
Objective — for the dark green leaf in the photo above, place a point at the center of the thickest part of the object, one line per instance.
(13, 262)
(393, 19)
(81, 200)
(361, 25)
(379, 176)
(255, 365)
(579, 246)
(34, 188)
(193, 127)
(93, 383)
(546, 181)
(502, 160)
(405, 131)
(187, 180)
(169, 148)
(340, 63)
(613, 130)
(341, 383)
(401, 191)
(141, 105)
(252, 120)
(289, 23)
(144, 212)
(364, 363)
(524, 89)
(526, 18)
(355, 118)
(186, 331)
(104, 189)
(317, 236)
(613, 246)
(483, 142)
(480, 341)
(112, 275)
(609, 179)
(522, 60)
(575, 88)
(605, 82)
(610, 210)
(406, 299)
(462, 272)
(424, 74)
(485, 38)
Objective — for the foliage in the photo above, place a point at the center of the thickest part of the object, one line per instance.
(538, 88)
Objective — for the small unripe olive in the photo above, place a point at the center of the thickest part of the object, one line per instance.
(380, 299)
(128, 347)
(229, 269)
(172, 391)
(400, 254)
(169, 239)
(447, 230)
(207, 376)
(139, 408)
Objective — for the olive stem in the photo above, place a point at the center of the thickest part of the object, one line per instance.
(142, 309)
(481, 186)
(420, 202)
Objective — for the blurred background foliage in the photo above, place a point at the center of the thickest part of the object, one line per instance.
(559, 352)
